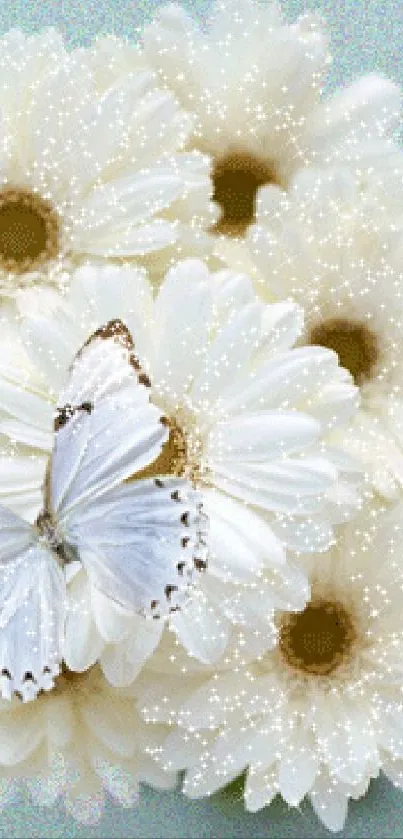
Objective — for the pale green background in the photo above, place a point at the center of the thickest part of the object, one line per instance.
(366, 35)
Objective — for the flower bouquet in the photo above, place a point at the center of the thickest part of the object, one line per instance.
(201, 417)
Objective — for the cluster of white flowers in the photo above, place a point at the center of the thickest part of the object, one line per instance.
(197, 189)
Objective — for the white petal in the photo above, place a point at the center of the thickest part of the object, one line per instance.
(51, 343)
(298, 768)
(162, 697)
(371, 105)
(21, 733)
(21, 479)
(83, 648)
(346, 738)
(132, 198)
(203, 780)
(261, 436)
(152, 774)
(23, 405)
(110, 721)
(182, 749)
(288, 379)
(201, 630)
(303, 534)
(111, 292)
(60, 720)
(183, 312)
(133, 241)
(228, 353)
(241, 542)
(209, 706)
(232, 751)
(329, 803)
(260, 788)
(112, 621)
(121, 664)
(27, 435)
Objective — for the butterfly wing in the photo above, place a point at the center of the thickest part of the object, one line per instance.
(104, 367)
(142, 543)
(106, 428)
(32, 603)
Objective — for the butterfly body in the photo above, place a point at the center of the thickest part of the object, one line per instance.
(51, 537)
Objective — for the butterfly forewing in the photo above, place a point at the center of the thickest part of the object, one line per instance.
(106, 427)
(93, 453)
(104, 367)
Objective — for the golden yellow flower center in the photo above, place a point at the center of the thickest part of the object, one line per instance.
(173, 458)
(354, 343)
(237, 178)
(29, 231)
(317, 640)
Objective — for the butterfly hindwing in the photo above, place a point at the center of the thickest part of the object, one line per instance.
(32, 606)
(142, 542)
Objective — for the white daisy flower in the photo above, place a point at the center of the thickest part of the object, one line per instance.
(75, 744)
(321, 713)
(112, 60)
(254, 83)
(86, 170)
(337, 249)
(249, 418)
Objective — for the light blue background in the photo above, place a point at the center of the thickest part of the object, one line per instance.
(366, 35)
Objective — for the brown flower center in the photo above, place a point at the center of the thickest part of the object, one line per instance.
(70, 682)
(173, 458)
(317, 640)
(354, 343)
(237, 178)
(29, 230)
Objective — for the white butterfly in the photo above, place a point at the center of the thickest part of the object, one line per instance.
(139, 541)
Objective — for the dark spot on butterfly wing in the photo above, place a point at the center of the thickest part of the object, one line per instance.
(200, 564)
(141, 375)
(154, 606)
(65, 414)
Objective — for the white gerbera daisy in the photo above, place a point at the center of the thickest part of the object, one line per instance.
(254, 83)
(249, 417)
(321, 713)
(74, 744)
(337, 249)
(85, 170)
(112, 61)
